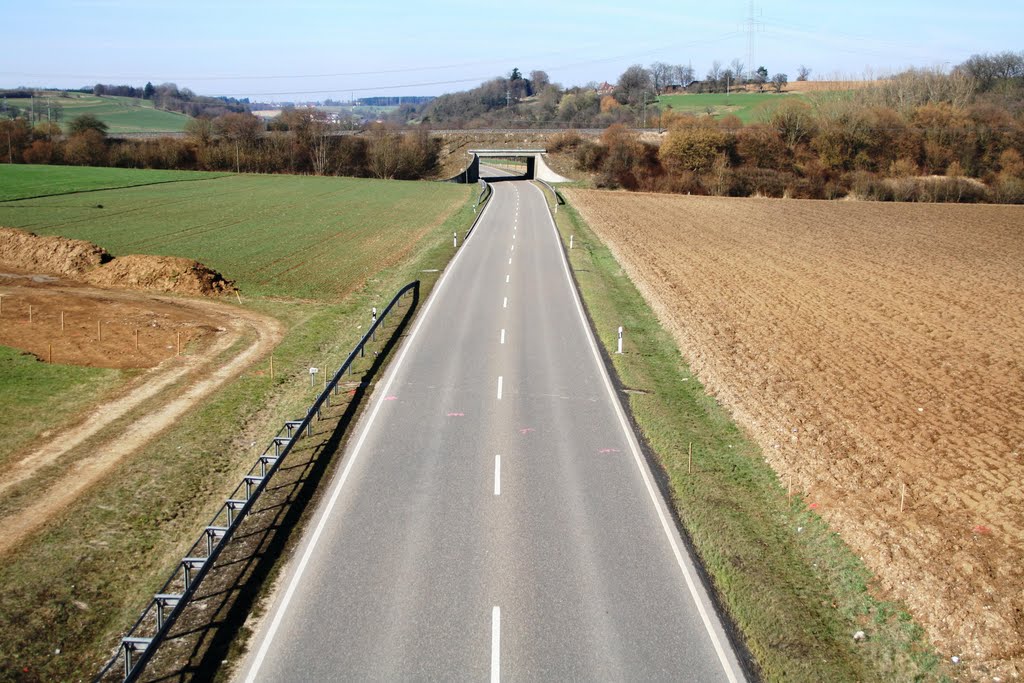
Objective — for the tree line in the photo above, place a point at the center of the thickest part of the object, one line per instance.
(302, 141)
(913, 138)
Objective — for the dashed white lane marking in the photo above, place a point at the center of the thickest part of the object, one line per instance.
(506, 278)
(513, 246)
(496, 644)
(325, 514)
(502, 336)
(510, 261)
(497, 475)
(504, 304)
(499, 387)
(634, 448)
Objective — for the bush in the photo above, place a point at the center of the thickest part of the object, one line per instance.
(589, 156)
(41, 152)
(1008, 190)
(558, 142)
(692, 148)
(762, 182)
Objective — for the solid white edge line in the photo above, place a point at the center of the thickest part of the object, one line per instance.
(495, 644)
(634, 447)
(381, 393)
(497, 475)
(499, 387)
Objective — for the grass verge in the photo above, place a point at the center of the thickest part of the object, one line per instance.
(794, 590)
(40, 396)
(83, 579)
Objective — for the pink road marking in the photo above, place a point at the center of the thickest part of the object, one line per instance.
(456, 414)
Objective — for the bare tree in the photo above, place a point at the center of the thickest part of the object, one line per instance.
(240, 129)
(738, 70)
(661, 73)
(779, 82)
(384, 152)
(803, 73)
(714, 73)
(539, 80)
(683, 75)
(634, 86)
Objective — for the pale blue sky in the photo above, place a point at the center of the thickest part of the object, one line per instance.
(314, 49)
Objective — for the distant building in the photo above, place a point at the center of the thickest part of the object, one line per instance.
(605, 88)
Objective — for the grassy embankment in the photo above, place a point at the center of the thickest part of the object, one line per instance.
(314, 252)
(794, 589)
(121, 114)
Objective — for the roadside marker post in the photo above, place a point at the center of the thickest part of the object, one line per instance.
(312, 375)
(620, 340)
(571, 240)
(455, 239)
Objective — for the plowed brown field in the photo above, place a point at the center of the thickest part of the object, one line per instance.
(866, 347)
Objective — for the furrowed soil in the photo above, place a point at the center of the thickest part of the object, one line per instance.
(876, 354)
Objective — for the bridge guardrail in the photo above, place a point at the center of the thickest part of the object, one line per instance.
(486, 192)
(559, 199)
(140, 643)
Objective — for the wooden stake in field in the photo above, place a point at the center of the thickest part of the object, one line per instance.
(789, 487)
(49, 353)
(689, 457)
(1, 305)
(99, 331)
(136, 341)
(271, 367)
(62, 322)
(239, 297)
(903, 495)
(30, 314)
(178, 333)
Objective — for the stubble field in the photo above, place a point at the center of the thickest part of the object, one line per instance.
(875, 353)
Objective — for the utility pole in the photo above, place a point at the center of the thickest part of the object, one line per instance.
(645, 109)
(508, 98)
(753, 26)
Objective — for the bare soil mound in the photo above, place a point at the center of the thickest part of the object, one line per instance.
(162, 274)
(87, 262)
(58, 255)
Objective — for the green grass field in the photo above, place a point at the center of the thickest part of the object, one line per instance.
(338, 246)
(39, 396)
(306, 237)
(25, 181)
(749, 107)
(121, 114)
(796, 591)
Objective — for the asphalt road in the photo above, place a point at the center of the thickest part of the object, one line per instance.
(493, 517)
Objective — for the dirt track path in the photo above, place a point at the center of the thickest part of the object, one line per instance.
(200, 376)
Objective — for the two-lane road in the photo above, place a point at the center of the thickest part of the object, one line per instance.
(493, 517)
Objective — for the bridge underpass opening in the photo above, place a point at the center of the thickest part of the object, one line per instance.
(521, 162)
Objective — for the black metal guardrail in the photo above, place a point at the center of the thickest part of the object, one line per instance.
(559, 199)
(169, 602)
(486, 192)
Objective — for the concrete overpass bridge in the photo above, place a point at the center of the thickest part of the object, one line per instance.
(536, 167)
